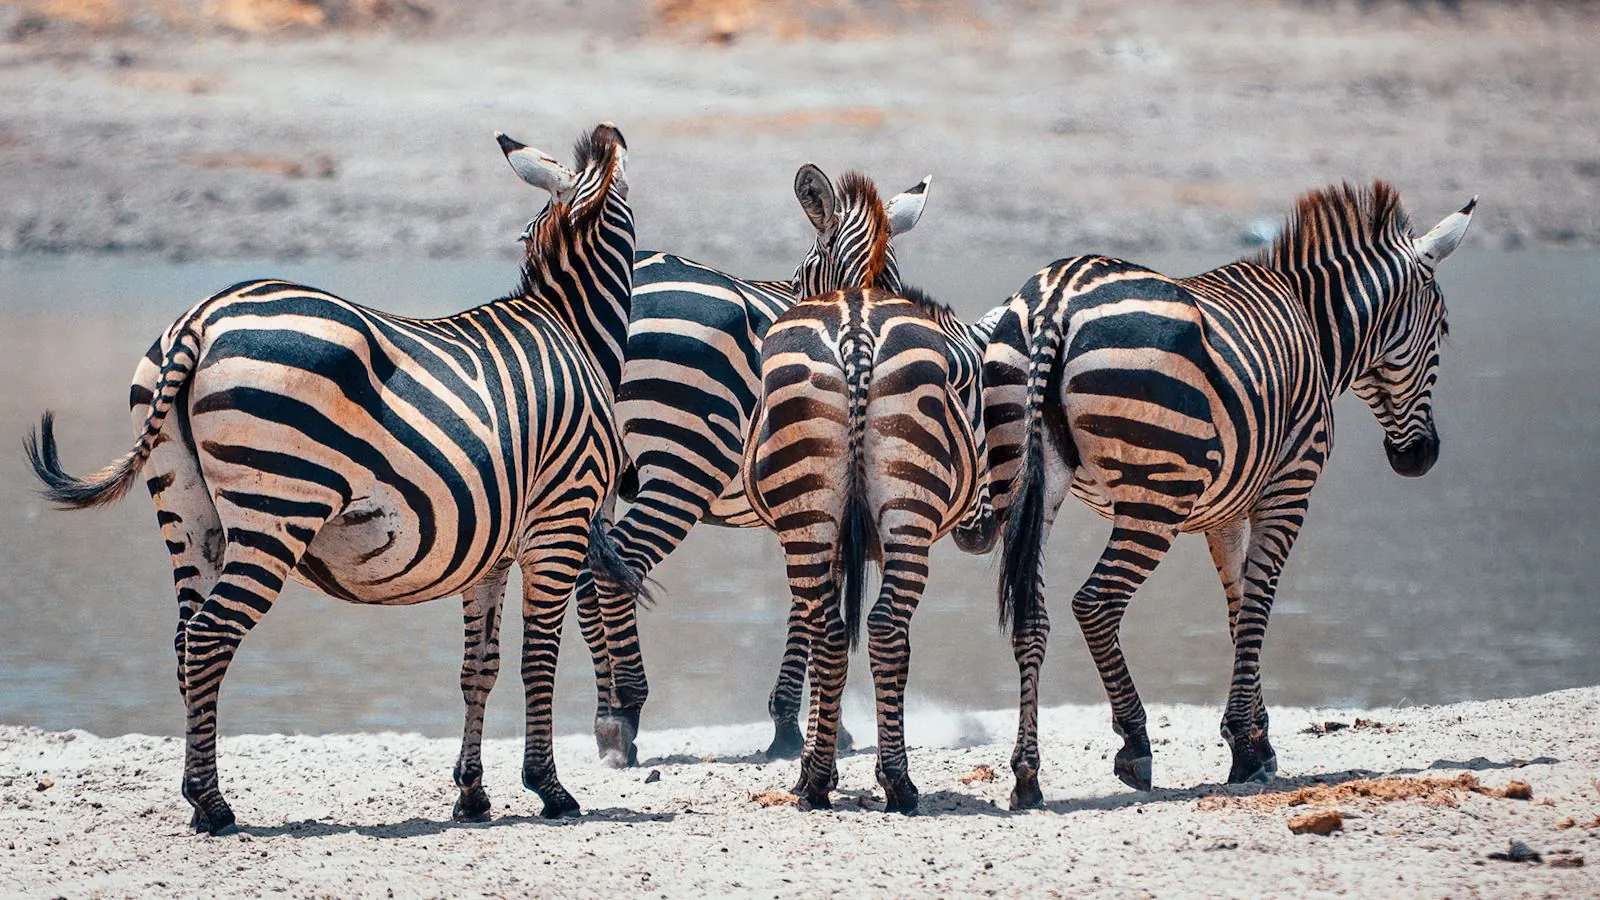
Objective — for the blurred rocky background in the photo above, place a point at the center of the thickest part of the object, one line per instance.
(287, 129)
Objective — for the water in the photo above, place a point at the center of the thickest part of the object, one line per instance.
(1476, 581)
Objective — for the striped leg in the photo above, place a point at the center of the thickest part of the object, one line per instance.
(658, 520)
(1136, 547)
(810, 568)
(905, 575)
(783, 704)
(593, 630)
(546, 586)
(1244, 722)
(258, 556)
(192, 532)
(1029, 639)
(480, 666)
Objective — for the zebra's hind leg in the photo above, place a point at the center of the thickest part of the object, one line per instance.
(1136, 547)
(546, 586)
(830, 662)
(1252, 760)
(480, 666)
(606, 734)
(905, 568)
(1244, 721)
(1028, 642)
(255, 562)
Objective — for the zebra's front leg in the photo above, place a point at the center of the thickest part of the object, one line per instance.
(480, 666)
(783, 704)
(889, 650)
(546, 585)
(1137, 545)
(1244, 721)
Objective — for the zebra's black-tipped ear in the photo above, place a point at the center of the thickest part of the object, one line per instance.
(535, 167)
(816, 196)
(905, 209)
(1446, 236)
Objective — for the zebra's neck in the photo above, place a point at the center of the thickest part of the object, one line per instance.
(1347, 301)
(589, 289)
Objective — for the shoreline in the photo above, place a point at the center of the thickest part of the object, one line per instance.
(366, 814)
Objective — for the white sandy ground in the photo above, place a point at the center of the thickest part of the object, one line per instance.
(368, 814)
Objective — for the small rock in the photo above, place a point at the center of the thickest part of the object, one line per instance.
(1517, 790)
(45, 784)
(1567, 862)
(1568, 822)
(1323, 822)
(653, 777)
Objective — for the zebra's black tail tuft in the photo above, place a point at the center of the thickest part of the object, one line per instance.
(1024, 532)
(606, 562)
(68, 491)
(857, 530)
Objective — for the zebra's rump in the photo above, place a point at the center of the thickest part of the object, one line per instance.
(915, 448)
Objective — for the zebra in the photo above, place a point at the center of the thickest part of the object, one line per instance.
(388, 460)
(868, 442)
(1202, 404)
(688, 389)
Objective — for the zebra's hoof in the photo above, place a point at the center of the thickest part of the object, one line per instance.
(1026, 793)
(217, 820)
(787, 742)
(471, 806)
(1253, 758)
(614, 737)
(813, 795)
(1134, 771)
(900, 797)
(558, 804)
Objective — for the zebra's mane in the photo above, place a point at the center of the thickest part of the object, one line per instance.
(558, 227)
(920, 297)
(1331, 223)
(857, 192)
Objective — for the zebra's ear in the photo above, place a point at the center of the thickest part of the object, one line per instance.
(905, 209)
(536, 168)
(1446, 236)
(815, 193)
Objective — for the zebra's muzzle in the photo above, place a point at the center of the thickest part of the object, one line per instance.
(1414, 459)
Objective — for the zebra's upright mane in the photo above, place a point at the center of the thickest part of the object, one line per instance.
(859, 196)
(558, 227)
(1337, 222)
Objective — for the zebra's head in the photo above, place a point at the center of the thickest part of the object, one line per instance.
(578, 199)
(854, 229)
(1404, 362)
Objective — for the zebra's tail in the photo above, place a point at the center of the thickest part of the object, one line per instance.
(1024, 532)
(857, 531)
(605, 561)
(109, 484)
